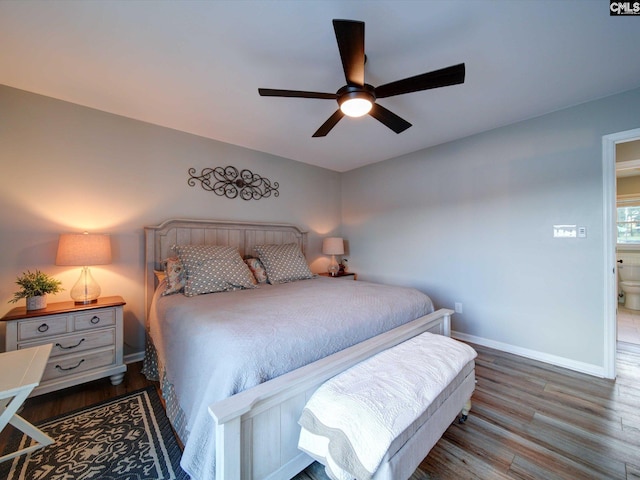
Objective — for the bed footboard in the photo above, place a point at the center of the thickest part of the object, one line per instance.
(257, 430)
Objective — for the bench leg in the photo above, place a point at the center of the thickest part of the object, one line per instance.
(464, 414)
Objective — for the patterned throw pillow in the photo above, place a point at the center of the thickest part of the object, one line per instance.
(175, 276)
(213, 268)
(160, 275)
(283, 263)
(256, 267)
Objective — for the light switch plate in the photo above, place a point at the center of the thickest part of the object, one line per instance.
(565, 231)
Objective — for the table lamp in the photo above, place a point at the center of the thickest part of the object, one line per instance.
(333, 246)
(84, 250)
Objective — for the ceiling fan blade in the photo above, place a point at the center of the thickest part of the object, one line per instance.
(271, 92)
(390, 119)
(329, 124)
(438, 78)
(350, 37)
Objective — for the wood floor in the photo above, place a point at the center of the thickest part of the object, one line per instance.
(529, 420)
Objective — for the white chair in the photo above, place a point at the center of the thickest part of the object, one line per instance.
(20, 373)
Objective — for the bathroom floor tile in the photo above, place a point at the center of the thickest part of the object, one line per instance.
(628, 325)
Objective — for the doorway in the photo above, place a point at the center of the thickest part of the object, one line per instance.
(627, 166)
(609, 143)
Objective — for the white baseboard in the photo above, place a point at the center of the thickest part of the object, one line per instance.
(628, 347)
(134, 357)
(595, 370)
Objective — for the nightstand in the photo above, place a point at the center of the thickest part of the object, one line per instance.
(87, 340)
(349, 275)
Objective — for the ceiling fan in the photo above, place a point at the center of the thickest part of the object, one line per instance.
(357, 98)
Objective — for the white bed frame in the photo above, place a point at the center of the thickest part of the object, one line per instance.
(257, 430)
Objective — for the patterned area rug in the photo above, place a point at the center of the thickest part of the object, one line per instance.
(126, 438)
(315, 471)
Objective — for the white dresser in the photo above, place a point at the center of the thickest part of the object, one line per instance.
(87, 340)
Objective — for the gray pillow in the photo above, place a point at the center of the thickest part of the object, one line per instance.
(283, 263)
(213, 268)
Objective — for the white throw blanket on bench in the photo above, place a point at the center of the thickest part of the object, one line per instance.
(351, 420)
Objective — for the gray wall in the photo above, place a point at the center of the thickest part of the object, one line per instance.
(471, 221)
(67, 168)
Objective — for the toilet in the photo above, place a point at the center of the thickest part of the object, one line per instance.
(630, 285)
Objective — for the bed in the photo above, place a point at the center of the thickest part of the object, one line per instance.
(238, 367)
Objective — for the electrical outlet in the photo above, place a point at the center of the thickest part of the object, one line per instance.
(458, 307)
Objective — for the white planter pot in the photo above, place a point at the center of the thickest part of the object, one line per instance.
(37, 303)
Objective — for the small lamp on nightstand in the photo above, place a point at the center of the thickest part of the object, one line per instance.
(333, 246)
(84, 250)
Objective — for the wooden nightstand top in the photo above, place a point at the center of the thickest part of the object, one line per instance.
(62, 307)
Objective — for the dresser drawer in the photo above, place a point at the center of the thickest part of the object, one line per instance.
(43, 327)
(95, 319)
(78, 342)
(63, 366)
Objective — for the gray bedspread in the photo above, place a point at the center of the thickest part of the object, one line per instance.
(213, 346)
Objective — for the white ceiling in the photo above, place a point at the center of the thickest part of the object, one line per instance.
(196, 66)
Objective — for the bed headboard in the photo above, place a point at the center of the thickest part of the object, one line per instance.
(242, 235)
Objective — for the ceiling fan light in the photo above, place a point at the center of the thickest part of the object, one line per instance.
(356, 107)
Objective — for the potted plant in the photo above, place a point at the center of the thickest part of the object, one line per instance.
(34, 286)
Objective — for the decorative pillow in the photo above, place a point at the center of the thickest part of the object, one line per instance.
(256, 267)
(160, 275)
(175, 276)
(213, 268)
(283, 263)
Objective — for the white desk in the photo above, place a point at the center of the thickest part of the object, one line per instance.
(20, 373)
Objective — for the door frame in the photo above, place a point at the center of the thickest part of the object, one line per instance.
(609, 143)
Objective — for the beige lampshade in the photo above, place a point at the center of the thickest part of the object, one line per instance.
(83, 249)
(333, 246)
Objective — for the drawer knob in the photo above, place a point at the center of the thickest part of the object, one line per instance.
(43, 328)
(95, 320)
(63, 369)
(70, 346)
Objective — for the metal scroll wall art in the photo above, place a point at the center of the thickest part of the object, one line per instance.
(231, 183)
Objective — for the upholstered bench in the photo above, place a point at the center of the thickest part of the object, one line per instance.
(380, 418)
